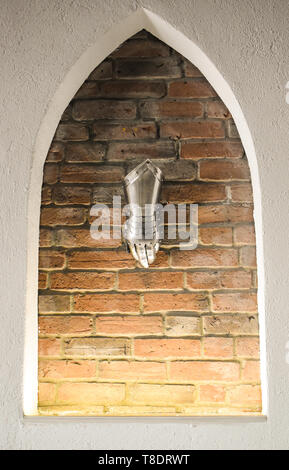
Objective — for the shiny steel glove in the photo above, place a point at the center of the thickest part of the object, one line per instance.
(141, 230)
(142, 236)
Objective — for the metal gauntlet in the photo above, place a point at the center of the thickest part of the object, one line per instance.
(141, 230)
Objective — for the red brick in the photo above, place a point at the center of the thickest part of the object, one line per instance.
(104, 194)
(50, 173)
(155, 394)
(66, 369)
(191, 70)
(113, 216)
(244, 235)
(91, 393)
(100, 260)
(191, 89)
(216, 235)
(192, 130)
(177, 325)
(101, 72)
(205, 370)
(53, 303)
(131, 89)
(245, 395)
(66, 115)
(251, 371)
(141, 150)
(65, 325)
(208, 257)
(74, 132)
(232, 129)
(55, 153)
(225, 213)
(255, 279)
(161, 261)
(241, 192)
(46, 193)
(222, 170)
(84, 152)
(62, 216)
(82, 237)
(98, 347)
(217, 109)
(234, 302)
(191, 193)
(150, 281)
(65, 195)
(179, 170)
(168, 347)
(247, 347)
(231, 324)
(128, 325)
(123, 343)
(175, 302)
(46, 393)
(139, 48)
(132, 370)
(105, 131)
(171, 109)
(42, 280)
(88, 90)
(140, 410)
(248, 256)
(49, 347)
(100, 109)
(198, 150)
(51, 259)
(153, 68)
(91, 174)
(218, 347)
(89, 281)
(219, 280)
(106, 303)
(212, 393)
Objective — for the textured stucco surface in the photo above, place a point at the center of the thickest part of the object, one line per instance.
(40, 43)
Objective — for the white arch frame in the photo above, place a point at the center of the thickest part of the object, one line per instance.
(141, 19)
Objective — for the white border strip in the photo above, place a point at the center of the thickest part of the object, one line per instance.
(142, 18)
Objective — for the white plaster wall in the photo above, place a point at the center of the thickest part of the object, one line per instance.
(41, 42)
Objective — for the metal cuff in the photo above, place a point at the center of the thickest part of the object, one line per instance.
(141, 231)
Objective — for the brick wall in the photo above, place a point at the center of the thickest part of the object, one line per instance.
(182, 336)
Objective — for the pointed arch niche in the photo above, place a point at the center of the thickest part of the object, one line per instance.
(221, 358)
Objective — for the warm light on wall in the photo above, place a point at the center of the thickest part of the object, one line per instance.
(30, 386)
